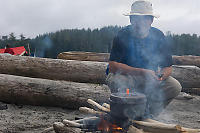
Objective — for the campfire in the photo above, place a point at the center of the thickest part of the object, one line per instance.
(120, 116)
(107, 127)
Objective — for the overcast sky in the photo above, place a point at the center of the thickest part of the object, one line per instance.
(34, 17)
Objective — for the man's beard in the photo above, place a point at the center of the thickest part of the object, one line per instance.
(141, 31)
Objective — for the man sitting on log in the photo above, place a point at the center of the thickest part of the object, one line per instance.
(141, 60)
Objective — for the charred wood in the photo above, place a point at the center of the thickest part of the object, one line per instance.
(149, 125)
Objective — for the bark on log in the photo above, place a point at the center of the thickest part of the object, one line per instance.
(23, 90)
(77, 71)
(84, 56)
(186, 60)
(188, 76)
(104, 57)
(80, 71)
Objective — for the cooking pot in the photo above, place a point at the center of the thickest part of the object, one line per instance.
(127, 106)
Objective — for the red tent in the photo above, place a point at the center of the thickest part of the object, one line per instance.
(17, 50)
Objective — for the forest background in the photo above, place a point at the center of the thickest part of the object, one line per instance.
(49, 45)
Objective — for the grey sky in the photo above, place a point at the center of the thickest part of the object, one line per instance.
(33, 17)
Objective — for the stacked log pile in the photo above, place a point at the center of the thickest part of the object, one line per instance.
(78, 81)
(65, 83)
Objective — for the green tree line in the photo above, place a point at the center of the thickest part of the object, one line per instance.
(49, 45)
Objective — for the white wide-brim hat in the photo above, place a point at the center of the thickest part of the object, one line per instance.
(142, 7)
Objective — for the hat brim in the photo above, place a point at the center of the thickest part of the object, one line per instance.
(139, 14)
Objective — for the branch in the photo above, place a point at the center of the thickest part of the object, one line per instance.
(158, 127)
(91, 111)
(95, 104)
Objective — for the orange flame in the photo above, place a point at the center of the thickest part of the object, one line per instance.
(107, 126)
(127, 91)
(116, 128)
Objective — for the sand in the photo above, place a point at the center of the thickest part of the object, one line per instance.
(34, 119)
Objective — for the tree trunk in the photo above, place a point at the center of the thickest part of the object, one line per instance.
(80, 71)
(77, 71)
(23, 90)
(188, 76)
(186, 60)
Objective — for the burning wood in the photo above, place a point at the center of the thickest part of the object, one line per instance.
(104, 123)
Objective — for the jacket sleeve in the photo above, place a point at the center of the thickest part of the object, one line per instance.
(117, 50)
(165, 52)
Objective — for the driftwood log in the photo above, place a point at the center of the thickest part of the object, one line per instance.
(80, 71)
(159, 127)
(55, 69)
(23, 90)
(186, 60)
(84, 56)
(104, 57)
(188, 76)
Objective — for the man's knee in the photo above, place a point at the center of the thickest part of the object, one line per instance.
(173, 88)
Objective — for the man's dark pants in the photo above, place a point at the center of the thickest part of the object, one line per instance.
(158, 93)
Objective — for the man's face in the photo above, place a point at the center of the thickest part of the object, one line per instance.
(141, 24)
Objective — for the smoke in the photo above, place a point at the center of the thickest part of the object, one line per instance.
(121, 83)
(166, 118)
(43, 46)
(149, 58)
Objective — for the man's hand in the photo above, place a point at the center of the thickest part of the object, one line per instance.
(159, 75)
(164, 73)
(115, 67)
(149, 74)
